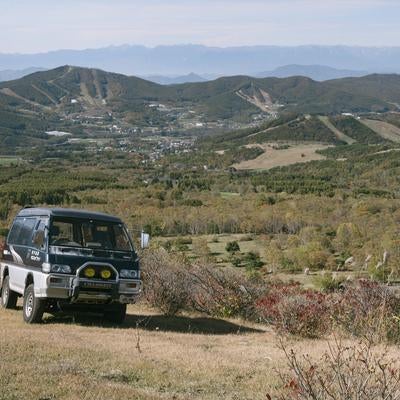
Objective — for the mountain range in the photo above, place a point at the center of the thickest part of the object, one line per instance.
(175, 80)
(315, 72)
(181, 59)
(96, 88)
(11, 74)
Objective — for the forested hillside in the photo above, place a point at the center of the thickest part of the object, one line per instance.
(53, 91)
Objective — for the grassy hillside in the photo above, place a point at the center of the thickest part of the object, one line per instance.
(302, 129)
(391, 118)
(17, 128)
(356, 130)
(289, 127)
(297, 93)
(384, 87)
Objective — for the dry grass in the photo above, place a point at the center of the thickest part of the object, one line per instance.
(62, 359)
(176, 358)
(272, 157)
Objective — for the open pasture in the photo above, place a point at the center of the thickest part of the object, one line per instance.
(281, 154)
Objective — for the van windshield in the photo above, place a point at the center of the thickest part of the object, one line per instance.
(91, 234)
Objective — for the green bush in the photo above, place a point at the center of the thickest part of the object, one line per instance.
(183, 240)
(235, 260)
(328, 282)
(252, 260)
(232, 247)
(192, 203)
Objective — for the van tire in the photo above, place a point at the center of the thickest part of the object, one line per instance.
(34, 307)
(8, 297)
(115, 313)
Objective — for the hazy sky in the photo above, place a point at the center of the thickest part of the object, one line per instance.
(41, 25)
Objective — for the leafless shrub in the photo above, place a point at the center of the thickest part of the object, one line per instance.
(172, 286)
(355, 372)
(166, 286)
(368, 310)
(223, 293)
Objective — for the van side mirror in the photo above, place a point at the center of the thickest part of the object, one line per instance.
(144, 240)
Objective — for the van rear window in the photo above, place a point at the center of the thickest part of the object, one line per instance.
(70, 232)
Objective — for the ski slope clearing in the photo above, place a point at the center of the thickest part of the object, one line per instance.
(278, 155)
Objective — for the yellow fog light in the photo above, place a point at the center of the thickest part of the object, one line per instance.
(89, 272)
(105, 274)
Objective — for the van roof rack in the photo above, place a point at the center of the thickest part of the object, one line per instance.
(67, 212)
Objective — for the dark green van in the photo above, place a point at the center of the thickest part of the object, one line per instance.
(67, 259)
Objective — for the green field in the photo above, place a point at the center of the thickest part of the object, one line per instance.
(9, 160)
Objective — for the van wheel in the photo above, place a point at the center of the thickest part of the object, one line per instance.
(115, 313)
(33, 307)
(8, 297)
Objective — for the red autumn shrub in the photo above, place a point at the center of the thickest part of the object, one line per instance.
(294, 310)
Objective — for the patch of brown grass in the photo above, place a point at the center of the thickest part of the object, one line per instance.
(164, 358)
(296, 153)
(63, 359)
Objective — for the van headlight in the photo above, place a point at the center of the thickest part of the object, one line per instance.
(89, 272)
(105, 274)
(56, 268)
(128, 273)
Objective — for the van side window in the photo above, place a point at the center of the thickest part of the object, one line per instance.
(25, 236)
(121, 238)
(21, 231)
(15, 231)
(38, 239)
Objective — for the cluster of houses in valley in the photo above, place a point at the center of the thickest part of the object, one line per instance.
(98, 129)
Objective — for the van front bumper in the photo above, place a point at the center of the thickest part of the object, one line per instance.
(77, 290)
